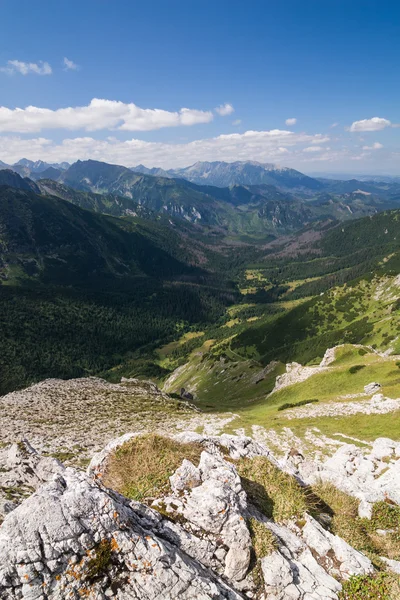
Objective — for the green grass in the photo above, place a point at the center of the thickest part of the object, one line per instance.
(382, 586)
(276, 494)
(141, 468)
(263, 540)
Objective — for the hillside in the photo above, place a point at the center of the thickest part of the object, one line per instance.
(12, 179)
(302, 298)
(79, 290)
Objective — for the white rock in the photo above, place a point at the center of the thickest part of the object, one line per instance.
(365, 510)
(372, 388)
(187, 476)
(237, 562)
(51, 523)
(382, 447)
(393, 565)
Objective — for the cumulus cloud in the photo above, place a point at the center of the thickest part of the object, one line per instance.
(320, 139)
(24, 68)
(291, 121)
(237, 122)
(263, 146)
(334, 125)
(99, 114)
(314, 149)
(69, 65)
(374, 124)
(375, 146)
(224, 109)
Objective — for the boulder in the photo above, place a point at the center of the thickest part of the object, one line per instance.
(186, 477)
(372, 388)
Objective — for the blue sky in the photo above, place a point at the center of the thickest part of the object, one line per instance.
(133, 66)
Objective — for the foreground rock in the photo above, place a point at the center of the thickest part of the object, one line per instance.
(75, 538)
(371, 474)
(22, 470)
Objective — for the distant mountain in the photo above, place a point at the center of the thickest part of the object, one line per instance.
(154, 171)
(238, 209)
(39, 166)
(359, 176)
(256, 210)
(49, 173)
(10, 178)
(223, 174)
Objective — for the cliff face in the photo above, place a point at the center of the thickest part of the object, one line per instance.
(210, 531)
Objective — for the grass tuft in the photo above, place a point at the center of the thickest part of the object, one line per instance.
(263, 540)
(274, 493)
(141, 468)
(362, 533)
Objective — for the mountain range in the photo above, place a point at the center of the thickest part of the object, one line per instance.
(223, 174)
(258, 199)
(36, 169)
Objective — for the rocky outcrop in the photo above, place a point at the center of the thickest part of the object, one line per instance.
(372, 388)
(377, 405)
(371, 474)
(295, 373)
(74, 538)
(23, 470)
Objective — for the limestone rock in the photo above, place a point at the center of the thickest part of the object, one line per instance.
(75, 536)
(368, 474)
(72, 535)
(187, 476)
(237, 562)
(372, 388)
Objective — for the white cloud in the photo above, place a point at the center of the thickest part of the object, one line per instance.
(224, 109)
(360, 156)
(237, 122)
(99, 114)
(334, 125)
(69, 65)
(314, 149)
(374, 124)
(320, 139)
(24, 68)
(375, 146)
(263, 146)
(291, 121)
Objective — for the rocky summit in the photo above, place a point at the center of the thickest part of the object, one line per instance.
(212, 529)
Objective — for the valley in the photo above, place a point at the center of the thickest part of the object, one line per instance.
(270, 343)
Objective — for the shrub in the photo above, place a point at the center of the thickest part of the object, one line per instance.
(295, 404)
(356, 368)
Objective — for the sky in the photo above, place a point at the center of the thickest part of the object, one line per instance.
(309, 84)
